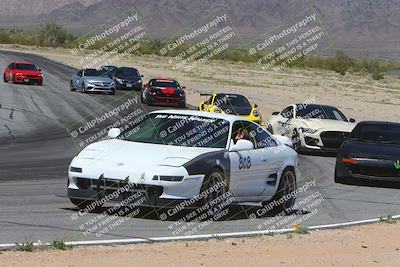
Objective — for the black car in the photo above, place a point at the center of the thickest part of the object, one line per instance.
(162, 91)
(128, 78)
(370, 155)
(108, 70)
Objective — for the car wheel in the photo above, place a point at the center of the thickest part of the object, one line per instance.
(4, 78)
(112, 93)
(83, 88)
(215, 186)
(287, 185)
(183, 105)
(13, 80)
(82, 204)
(71, 86)
(296, 140)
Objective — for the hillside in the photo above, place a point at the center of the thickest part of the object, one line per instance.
(359, 27)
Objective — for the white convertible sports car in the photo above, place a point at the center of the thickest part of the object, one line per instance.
(178, 155)
(312, 127)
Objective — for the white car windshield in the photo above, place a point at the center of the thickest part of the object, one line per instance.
(319, 112)
(181, 130)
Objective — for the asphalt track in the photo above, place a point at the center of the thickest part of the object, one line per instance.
(36, 148)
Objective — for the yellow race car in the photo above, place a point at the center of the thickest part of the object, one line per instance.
(230, 104)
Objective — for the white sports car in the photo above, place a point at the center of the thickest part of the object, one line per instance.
(178, 155)
(312, 127)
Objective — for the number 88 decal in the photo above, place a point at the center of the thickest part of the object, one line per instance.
(244, 162)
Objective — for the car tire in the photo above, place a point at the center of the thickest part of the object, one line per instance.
(112, 93)
(182, 105)
(13, 80)
(213, 178)
(287, 185)
(4, 78)
(83, 88)
(80, 203)
(296, 140)
(71, 87)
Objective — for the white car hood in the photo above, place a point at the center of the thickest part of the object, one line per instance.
(139, 155)
(328, 125)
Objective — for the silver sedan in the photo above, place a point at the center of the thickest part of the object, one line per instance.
(92, 80)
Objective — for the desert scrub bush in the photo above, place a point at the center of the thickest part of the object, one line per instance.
(377, 76)
(58, 245)
(27, 245)
(300, 229)
(388, 219)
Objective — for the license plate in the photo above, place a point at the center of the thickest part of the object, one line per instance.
(26, 80)
(128, 85)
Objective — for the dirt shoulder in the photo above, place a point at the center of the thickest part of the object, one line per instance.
(371, 245)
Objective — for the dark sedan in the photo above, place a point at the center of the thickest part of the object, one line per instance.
(163, 91)
(371, 155)
(128, 78)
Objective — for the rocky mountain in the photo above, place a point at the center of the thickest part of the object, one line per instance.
(366, 27)
(35, 7)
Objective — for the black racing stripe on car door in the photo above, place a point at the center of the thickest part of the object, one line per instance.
(204, 163)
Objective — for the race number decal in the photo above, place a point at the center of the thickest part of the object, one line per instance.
(244, 162)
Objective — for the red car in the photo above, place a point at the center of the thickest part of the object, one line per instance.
(23, 72)
(163, 91)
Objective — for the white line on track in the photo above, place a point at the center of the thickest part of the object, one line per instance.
(202, 237)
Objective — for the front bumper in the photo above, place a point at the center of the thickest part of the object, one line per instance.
(322, 141)
(28, 79)
(126, 85)
(156, 191)
(167, 100)
(100, 89)
(368, 172)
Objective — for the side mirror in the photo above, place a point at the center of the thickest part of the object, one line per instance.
(255, 105)
(275, 113)
(142, 76)
(352, 120)
(241, 145)
(183, 87)
(40, 69)
(114, 133)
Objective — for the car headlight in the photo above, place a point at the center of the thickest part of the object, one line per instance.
(140, 81)
(308, 130)
(112, 83)
(18, 74)
(167, 178)
(119, 80)
(256, 113)
(40, 75)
